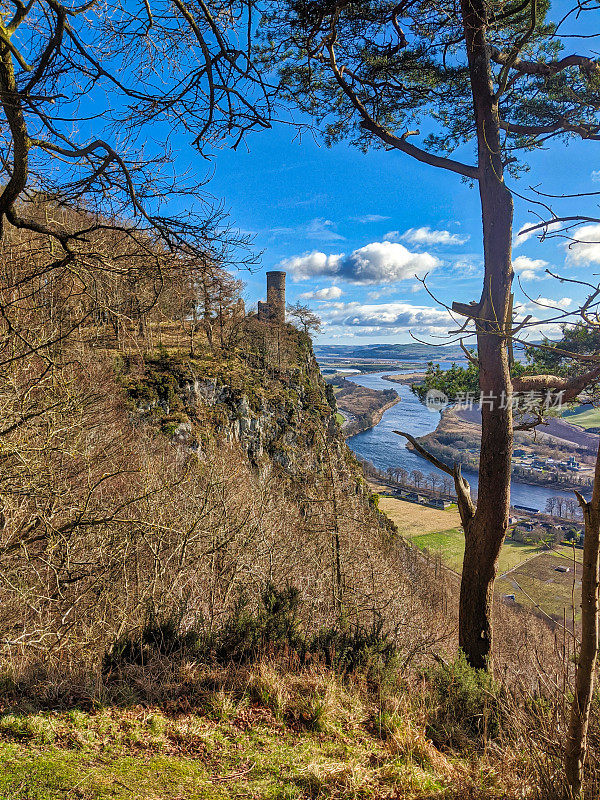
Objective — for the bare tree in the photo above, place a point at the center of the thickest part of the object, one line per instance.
(308, 321)
(575, 749)
(417, 477)
(80, 88)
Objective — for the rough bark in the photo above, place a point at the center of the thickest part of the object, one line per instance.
(575, 749)
(485, 532)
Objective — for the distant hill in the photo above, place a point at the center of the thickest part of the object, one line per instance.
(412, 351)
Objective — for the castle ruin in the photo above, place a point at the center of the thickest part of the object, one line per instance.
(274, 309)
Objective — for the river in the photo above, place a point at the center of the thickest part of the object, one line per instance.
(383, 448)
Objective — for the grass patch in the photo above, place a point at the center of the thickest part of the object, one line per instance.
(449, 545)
(514, 553)
(585, 418)
(327, 742)
(340, 418)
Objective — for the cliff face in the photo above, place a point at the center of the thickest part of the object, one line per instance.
(281, 414)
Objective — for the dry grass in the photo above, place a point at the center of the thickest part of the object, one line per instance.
(258, 733)
(414, 520)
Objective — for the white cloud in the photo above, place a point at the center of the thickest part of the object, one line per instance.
(365, 218)
(319, 228)
(329, 293)
(586, 247)
(596, 175)
(561, 302)
(388, 318)
(386, 262)
(528, 269)
(426, 237)
(521, 237)
(466, 268)
(375, 263)
(542, 306)
(379, 293)
(312, 264)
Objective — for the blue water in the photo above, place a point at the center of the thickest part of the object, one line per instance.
(384, 449)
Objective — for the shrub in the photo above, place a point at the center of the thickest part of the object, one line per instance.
(158, 638)
(358, 647)
(248, 636)
(463, 705)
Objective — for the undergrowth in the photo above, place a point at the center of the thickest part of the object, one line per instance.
(249, 635)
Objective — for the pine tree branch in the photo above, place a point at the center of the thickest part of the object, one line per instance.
(397, 142)
(542, 68)
(570, 387)
(560, 126)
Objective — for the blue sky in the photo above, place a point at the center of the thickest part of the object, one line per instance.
(353, 229)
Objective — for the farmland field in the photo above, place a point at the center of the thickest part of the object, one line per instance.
(451, 547)
(413, 519)
(537, 583)
(586, 417)
(525, 570)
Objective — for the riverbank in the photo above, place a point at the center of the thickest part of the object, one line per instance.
(362, 408)
(384, 448)
(457, 437)
(408, 379)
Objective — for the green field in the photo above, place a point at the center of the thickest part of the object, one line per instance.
(340, 418)
(538, 584)
(450, 545)
(533, 578)
(588, 418)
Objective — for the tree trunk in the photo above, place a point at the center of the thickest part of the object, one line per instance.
(575, 749)
(485, 532)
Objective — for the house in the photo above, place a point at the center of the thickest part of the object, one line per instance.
(413, 497)
(439, 502)
(527, 509)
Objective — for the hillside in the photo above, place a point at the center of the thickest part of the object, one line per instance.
(170, 489)
(199, 595)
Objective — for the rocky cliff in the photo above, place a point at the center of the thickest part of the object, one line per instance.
(280, 413)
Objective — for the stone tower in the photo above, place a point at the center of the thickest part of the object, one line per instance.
(276, 295)
(274, 309)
